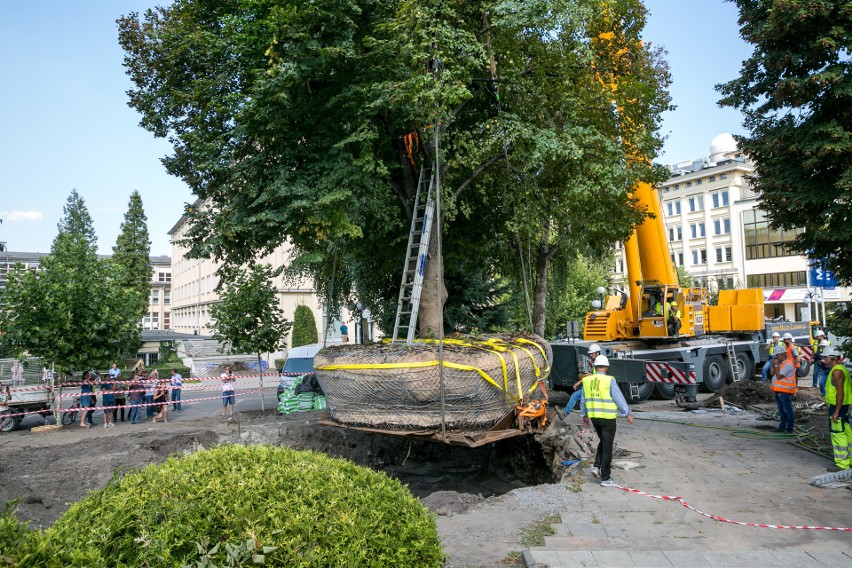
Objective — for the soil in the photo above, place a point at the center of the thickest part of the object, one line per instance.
(483, 498)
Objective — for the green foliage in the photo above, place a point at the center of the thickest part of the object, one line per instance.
(288, 120)
(299, 508)
(279, 363)
(22, 547)
(573, 287)
(249, 317)
(131, 256)
(304, 327)
(73, 312)
(168, 353)
(796, 94)
(684, 278)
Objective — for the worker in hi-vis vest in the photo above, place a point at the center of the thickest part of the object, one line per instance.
(776, 340)
(603, 402)
(594, 351)
(784, 385)
(838, 396)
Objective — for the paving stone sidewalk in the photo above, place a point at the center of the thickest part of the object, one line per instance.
(739, 478)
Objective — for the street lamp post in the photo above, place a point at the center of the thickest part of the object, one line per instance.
(814, 298)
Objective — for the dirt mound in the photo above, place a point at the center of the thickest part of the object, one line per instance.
(742, 394)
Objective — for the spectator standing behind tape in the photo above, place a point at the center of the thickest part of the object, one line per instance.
(135, 398)
(85, 400)
(120, 397)
(17, 372)
(150, 390)
(177, 386)
(227, 392)
(108, 399)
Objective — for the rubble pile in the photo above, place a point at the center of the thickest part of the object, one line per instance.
(742, 394)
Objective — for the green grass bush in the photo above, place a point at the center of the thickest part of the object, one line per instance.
(300, 508)
(22, 547)
(304, 327)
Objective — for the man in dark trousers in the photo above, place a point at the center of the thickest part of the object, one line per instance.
(602, 402)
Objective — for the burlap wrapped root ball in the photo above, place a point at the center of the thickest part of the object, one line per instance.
(398, 386)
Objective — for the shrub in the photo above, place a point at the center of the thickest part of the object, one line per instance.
(23, 547)
(304, 327)
(300, 508)
(279, 363)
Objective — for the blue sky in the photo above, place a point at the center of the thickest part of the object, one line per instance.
(66, 124)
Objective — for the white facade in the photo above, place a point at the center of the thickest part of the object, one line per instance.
(194, 283)
(718, 235)
(158, 316)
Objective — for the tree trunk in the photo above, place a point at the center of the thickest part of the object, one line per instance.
(542, 261)
(434, 294)
(260, 388)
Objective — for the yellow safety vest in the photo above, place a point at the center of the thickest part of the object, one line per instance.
(599, 402)
(772, 347)
(831, 392)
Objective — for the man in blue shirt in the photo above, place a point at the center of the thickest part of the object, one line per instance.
(594, 351)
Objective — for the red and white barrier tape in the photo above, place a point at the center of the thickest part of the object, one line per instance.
(724, 520)
(134, 405)
(190, 380)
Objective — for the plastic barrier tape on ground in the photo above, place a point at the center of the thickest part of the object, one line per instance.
(139, 405)
(724, 520)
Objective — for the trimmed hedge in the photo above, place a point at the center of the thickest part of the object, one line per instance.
(314, 510)
(304, 330)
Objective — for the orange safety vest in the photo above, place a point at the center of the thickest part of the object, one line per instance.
(787, 385)
(794, 360)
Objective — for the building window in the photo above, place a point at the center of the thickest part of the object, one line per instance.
(696, 203)
(698, 230)
(724, 254)
(719, 254)
(729, 254)
(712, 178)
(698, 181)
(673, 207)
(155, 298)
(680, 259)
(167, 297)
(703, 256)
(689, 184)
(763, 242)
(677, 186)
(699, 256)
(720, 199)
(777, 280)
(723, 176)
(151, 320)
(164, 276)
(167, 321)
(675, 233)
(722, 226)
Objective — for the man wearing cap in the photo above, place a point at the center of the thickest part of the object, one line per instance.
(776, 338)
(791, 349)
(594, 351)
(602, 402)
(784, 385)
(838, 396)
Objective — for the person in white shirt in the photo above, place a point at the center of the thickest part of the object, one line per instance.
(227, 392)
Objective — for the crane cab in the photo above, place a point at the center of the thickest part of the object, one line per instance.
(656, 319)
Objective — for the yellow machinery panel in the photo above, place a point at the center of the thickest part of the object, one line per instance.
(748, 317)
(728, 297)
(719, 317)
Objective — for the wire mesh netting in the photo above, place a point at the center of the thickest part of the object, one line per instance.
(398, 386)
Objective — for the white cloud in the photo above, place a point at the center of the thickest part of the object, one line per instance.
(16, 215)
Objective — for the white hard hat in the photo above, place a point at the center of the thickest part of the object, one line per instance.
(601, 361)
(788, 336)
(823, 343)
(819, 333)
(594, 348)
(831, 351)
(776, 334)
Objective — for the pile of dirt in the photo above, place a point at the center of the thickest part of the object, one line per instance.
(742, 394)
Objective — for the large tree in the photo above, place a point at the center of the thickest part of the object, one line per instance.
(796, 94)
(72, 311)
(131, 255)
(291, 122)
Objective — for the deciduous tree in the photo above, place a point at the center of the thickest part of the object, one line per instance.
(291, 122)
(796, 94)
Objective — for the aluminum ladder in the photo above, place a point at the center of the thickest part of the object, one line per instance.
(411, 287)
(732, 361)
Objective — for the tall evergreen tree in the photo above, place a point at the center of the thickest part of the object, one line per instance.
(71, 312)
(131, 254)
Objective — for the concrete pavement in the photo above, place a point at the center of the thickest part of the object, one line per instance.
(760, 480)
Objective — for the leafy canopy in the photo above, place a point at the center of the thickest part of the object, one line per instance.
(796, 93)
(288, 121)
